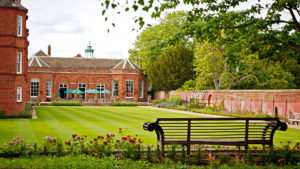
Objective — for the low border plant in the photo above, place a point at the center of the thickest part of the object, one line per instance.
(65, 103)
(124, 104)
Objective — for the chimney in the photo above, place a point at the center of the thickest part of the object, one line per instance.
(78, 55)
(49, 50)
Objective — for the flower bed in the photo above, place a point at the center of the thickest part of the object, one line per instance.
(131, 147)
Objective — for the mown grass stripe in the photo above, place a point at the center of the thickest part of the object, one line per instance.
(7, 130)
(52, 126)
(115, 122)
(25, 130)
(78, 124)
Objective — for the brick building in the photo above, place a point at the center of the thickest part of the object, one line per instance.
(50, 76)
(13, 56)
(46, 77)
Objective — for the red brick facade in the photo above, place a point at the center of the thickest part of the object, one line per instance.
(90, 77)
(12, 43)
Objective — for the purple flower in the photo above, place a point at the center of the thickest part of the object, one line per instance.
(17, 141)
(17, 137)
(22, 140)
(4, 144)
(30, 148)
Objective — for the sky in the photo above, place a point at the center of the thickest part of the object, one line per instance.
(69, 25)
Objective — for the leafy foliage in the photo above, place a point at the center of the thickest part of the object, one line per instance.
(268, 30)
(172, 68)
(167, 64)
(213, 71)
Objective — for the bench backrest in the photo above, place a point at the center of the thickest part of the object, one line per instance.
(250, 130)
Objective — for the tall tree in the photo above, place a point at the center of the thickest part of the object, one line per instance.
(154, 40)
(172, 68)
(249, 72)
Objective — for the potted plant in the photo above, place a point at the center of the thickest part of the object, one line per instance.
(136, 98)
(149, 98)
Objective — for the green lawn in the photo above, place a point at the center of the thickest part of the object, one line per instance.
(62, 122)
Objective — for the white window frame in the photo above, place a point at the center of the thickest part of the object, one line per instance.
(34, 80)
(114, 88)
(85, 86)
(48, 88)
(19, 94)
(141, 89)
(101, 87)
(132, 92)
(19, 26)
(19, 63)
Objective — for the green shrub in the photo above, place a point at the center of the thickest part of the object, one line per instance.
(175, 100)
(28, 106)
(194, 103)
(65, 103)
(159, 101)
(224, 158)
(2, 113)
(24, 114)
(124, 104)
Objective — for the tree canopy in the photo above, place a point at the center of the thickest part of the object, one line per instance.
(269, 30)
(167, 65)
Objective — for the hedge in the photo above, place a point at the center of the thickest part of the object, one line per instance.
(65, 103)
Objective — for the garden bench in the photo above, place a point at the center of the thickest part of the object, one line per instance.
(294, 117)
(215, 131)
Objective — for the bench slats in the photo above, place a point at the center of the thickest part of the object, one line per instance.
(215, 131)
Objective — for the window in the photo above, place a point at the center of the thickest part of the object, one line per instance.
(19, 63)
(19, 94)
(34, 87)
(101, 87)
(82, 87)
(48, 88)
(129, 88)
(20, 27)
(115, 88)
(141, 88)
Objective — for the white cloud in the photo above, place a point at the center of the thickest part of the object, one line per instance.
(69, 25)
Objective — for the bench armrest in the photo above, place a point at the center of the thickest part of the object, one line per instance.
(282, 126)
(148, 126)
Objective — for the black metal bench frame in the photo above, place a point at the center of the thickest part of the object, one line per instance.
(248, 130)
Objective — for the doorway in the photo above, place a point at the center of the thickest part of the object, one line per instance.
(62, 88)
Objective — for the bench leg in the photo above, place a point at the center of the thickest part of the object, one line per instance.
(188, 147)
(163, 150)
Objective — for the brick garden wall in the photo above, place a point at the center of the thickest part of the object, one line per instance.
(258, 101)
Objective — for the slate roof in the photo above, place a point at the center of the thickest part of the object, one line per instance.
(79, 63)
(40, 53)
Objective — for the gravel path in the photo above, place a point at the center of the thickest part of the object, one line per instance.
(201, 114)
(34, 116)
